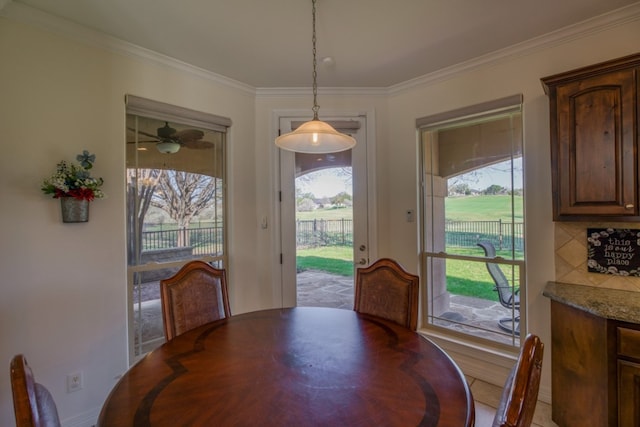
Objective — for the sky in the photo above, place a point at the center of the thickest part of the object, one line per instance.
(324, 183)
(497, 174)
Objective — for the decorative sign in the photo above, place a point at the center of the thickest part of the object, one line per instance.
(614, 251)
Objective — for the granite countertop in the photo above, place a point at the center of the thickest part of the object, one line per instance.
(612, 304)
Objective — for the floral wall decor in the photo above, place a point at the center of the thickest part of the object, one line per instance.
(75, 187)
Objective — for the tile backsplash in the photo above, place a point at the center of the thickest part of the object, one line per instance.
(571, 257)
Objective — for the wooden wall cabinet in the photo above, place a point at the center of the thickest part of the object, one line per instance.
(594, 141)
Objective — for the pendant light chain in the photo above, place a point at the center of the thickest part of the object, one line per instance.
(316, 107)
(315, 136)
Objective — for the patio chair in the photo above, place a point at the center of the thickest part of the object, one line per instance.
(520, 394)
(32, 403)
(386, 290)
(195, 295)
(508, 297)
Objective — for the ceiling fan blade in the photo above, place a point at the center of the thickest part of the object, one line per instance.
(150, 135)
(188, 135)
(190, 138)
(198, 145)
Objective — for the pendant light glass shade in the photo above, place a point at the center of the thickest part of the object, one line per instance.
(315, 136)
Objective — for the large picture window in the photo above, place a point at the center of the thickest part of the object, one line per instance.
(473, 222)
(175, 205)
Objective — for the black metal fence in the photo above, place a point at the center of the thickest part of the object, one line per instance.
(203, 240)
(503, 235)
(337, 232)
(324, 232)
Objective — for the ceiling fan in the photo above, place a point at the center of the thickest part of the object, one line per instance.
(168, 140)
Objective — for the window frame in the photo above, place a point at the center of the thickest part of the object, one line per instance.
(150, 109)
(478, 112)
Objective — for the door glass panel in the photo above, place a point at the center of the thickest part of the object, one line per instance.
(341, 237)
(324, 230)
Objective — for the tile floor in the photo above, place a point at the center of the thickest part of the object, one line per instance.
(487, 397)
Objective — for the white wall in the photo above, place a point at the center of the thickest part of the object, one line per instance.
(63, 300)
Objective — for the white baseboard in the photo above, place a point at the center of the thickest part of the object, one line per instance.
(84, 419)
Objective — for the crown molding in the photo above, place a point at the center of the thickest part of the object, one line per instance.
(289, 92)
(26, 14)
(564, 35)
(79, 33)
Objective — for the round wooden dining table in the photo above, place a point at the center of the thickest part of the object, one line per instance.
(304, 366)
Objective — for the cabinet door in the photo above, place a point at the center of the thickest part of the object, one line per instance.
(628, 394)
(582, 389)
(595, 148)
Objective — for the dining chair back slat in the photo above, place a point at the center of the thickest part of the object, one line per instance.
(387, 290)
(520, 393)
(32, 402)
(195, 295)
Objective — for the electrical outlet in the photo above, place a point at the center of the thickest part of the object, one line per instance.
(74, 382)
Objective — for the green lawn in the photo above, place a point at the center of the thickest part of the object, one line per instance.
(470, 278)
(470, 208)
(463, 277)
(483, 208)
(332, 259)
(333, 213)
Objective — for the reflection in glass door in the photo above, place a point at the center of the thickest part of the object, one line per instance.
(175, 213)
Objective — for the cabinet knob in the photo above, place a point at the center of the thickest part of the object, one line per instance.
(628, 206)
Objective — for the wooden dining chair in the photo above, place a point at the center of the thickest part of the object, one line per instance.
(195, 295)
(520, 393)
(386, 290)
(32, 403)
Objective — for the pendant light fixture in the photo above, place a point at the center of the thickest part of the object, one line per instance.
(315, 136)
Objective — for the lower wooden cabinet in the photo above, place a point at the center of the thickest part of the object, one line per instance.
(595, 369)
(628, 394)
(628, 351)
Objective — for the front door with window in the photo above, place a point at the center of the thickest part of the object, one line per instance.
(324, 233)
